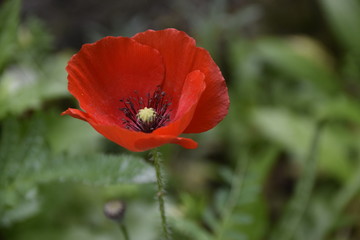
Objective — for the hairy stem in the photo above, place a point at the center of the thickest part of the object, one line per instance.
(156, 158)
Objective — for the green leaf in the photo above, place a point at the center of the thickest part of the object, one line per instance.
(340, 108)
(23, 87)
(326, 211)
(63, 131)
(344, 18)
(243, 211)
(294, 213)
(26, 161)
(247, 68)
(293, 132)
(301, 58)
(189, 228)
(35, 42)
(15, 207)
(27, 158)
(9, 21)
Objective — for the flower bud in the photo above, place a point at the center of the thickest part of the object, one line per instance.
(115, 210)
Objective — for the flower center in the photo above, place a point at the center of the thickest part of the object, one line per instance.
(146, 115)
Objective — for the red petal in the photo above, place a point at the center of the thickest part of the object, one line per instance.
(139, 141)
(76, 114)
(181, 56)
(191, 93)
(214, 103)
(148, 143)
(177, 50)
(193, 88)
(102, 73)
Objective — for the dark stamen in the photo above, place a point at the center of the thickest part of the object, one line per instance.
(158, 101)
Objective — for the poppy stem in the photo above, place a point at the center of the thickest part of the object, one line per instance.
(124, 231)
(157, 161)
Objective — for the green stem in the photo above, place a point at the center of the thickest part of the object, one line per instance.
(339, 203)
(237, 185)
(298, 204)
(124, 231)
(156, 158)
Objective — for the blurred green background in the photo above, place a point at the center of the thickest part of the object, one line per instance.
(284, 164)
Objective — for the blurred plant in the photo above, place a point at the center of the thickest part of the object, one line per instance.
(240, 184)
(26, 161)
(9, 18)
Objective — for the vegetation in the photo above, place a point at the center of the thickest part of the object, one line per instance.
(284, 164)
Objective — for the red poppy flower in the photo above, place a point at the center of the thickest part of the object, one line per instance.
(144, 91)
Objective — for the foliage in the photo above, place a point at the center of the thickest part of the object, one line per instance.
(26, 161)
(244, 179)
(9, 19)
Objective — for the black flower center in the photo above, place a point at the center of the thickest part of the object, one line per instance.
(146, 115)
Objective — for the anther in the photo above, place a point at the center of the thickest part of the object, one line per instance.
(146, 115)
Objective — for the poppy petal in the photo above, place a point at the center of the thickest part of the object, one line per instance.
(191, 93)
(113, 68)
(181, 56)
(148, 143)
(185, 142)
(177, 50)
(214, 103)
(76, 113)
(139, 141)
(115, 133)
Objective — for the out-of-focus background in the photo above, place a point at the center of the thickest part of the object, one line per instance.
(268, 171)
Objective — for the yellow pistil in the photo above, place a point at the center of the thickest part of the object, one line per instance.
(146, 115)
